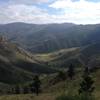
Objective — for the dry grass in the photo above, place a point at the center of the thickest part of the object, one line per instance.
(29, 97)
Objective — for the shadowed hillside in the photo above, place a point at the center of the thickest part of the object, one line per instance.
(18, 65)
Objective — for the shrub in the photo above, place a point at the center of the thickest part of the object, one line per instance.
(67, 97)
(76, 97)
(86, 97)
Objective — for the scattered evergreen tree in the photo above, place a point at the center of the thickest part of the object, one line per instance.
(86, 86)
(61, 75)
(71, 71)
(13, 90)
(25, 90)
(36, 85)
(31, 88)
(8, 91)
(17, 89)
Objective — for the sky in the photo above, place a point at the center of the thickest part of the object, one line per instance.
(50, 11)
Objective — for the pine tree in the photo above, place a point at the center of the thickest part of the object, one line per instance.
(17, 89)
(61, 75)
(71, 71)
(86, 86)
(36, 85)
(25, 90)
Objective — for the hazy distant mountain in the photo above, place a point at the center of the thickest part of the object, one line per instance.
(51, 37)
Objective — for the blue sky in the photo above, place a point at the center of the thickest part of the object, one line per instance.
(50, 11)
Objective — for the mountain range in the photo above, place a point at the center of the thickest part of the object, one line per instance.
(28, 49)
(50, 37)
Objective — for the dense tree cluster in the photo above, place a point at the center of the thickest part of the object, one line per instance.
(34, 87)
(86, 86)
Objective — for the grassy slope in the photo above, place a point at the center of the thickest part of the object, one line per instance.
(8, 69)
(60, 58)
(18, 65)
(52, 91)
(44, 96)
(55, 55)
(87, 55)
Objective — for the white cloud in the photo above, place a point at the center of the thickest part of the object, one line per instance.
(82, 4)
(80, 12)
(22, 13)
(26, 13)
(27, 1)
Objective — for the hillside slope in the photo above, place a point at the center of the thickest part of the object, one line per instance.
(80, 56)
(18, 65)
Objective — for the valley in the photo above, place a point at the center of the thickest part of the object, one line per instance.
(27, 50)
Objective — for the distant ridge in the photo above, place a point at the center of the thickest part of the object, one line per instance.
(50, 37)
